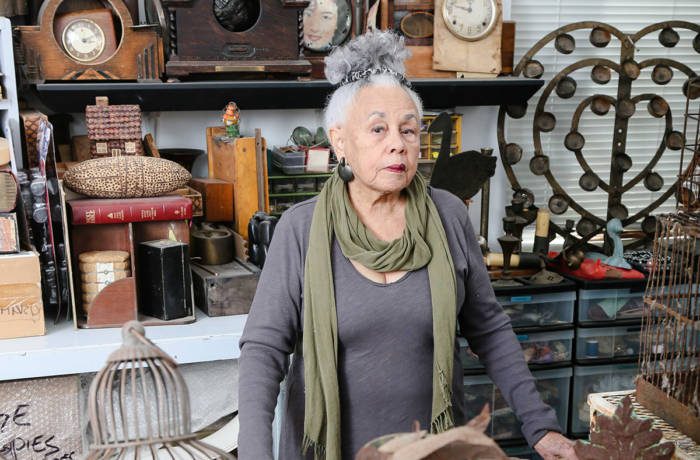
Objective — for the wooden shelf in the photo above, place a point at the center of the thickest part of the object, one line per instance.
(292, 194)
(65, 350)
(272, 94)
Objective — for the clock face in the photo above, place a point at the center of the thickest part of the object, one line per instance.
(83, 40)
(470, 19)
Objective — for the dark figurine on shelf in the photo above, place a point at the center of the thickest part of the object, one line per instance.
(464, 173)
(231, 118)
(509, 244)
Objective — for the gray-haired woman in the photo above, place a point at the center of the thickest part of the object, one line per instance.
(366, 284)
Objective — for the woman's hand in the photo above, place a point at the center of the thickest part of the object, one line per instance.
(555, 446)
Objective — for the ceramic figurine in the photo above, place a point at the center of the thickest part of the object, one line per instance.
(231, 117)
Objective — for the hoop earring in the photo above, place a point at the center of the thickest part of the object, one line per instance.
(345, 171)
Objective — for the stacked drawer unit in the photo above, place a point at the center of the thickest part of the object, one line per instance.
(607, 341)
(543, 321)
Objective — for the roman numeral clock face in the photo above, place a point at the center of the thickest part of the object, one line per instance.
(470, 20)
(83, 40)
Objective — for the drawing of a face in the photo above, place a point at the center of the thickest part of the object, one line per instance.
(320, 23)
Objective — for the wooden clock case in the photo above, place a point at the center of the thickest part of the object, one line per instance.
(481, 59)
(139, 53)
(202, 45)
(420, 64)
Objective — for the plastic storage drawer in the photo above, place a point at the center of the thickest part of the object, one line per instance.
(597, 379)
(289, 162)
(543, 348)
(553, 385)
(552, 309)
(600, 343)
(605, 305)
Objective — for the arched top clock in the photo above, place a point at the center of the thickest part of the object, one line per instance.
(90, 44)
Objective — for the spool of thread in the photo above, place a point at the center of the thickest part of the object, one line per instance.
(541, 244)
(591, 348)
(522, 260)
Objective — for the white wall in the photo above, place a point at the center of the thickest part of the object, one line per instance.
(187, 130)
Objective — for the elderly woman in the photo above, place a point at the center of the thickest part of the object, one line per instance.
(365, 285)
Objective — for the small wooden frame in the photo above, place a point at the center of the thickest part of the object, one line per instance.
(139, 55)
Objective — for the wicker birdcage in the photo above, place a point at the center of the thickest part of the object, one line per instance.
(688, 193)
(669, 365)
(139, 406)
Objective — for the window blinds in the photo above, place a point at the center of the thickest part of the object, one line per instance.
(536, 18)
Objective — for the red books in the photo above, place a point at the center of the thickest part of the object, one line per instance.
(119, 211)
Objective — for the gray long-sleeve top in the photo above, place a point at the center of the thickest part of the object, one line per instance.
(385, 343)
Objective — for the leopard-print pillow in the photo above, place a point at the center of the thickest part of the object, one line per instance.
(126, 177)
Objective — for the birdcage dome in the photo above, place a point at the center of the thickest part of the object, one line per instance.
(139, 405)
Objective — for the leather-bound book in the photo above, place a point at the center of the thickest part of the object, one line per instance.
(120, 211)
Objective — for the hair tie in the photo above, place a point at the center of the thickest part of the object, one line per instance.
(366, 73)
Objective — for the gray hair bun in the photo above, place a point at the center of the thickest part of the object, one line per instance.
(373, 50)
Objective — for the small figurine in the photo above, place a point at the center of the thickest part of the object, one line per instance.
(231, 118)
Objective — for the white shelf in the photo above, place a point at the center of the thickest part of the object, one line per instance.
(64, 350)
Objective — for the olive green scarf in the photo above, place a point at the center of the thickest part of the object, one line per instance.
(423, 243)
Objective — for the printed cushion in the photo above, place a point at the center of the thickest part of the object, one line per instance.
(126, 177)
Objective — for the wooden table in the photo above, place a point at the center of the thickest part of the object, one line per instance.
(606, 403)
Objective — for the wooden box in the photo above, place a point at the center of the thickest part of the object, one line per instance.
(21, 307)
(217, 195)
(236, 162)
(221, 290)
(163, 280)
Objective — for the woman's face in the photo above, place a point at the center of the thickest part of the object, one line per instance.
(380, 139)
(320, 22)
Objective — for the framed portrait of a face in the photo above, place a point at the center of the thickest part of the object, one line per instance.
(326, 23)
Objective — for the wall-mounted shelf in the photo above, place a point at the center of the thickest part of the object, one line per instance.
(268, 94)
(64, 350)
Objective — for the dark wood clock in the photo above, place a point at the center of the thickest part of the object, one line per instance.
(89, 44)
(234, 36)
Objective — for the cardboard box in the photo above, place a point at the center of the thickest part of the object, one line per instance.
(21, 307)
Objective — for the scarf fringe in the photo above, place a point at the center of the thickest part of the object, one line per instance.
(443, 422)
(317, 448)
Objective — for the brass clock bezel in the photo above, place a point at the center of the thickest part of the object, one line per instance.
(487, 31)
(103, 40)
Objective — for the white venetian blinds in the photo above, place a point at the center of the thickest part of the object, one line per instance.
(536, 18)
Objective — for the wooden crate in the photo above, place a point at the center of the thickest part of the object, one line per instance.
(222, 290)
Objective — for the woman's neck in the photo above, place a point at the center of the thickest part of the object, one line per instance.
(382, 213)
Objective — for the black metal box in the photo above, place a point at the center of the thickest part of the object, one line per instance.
(163, 278)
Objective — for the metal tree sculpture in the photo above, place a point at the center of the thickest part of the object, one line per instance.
(564, 86)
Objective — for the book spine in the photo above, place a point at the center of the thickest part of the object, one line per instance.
(120, 213)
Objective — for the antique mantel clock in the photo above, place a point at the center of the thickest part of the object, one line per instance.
(89, 44)
(468, 36)
(234, 36)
